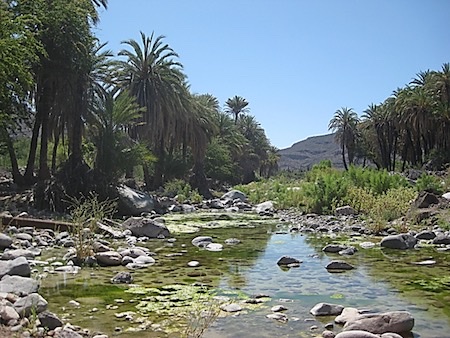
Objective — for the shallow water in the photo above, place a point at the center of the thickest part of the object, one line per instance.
(381, 282)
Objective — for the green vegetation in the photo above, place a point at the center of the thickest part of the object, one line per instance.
(85, 212)
(122, 114)
(411, 125)
(377, 193)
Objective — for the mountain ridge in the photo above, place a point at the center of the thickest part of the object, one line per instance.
(302, 155)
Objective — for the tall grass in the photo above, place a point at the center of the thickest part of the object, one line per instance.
(381, 195)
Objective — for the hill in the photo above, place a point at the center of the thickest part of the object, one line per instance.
(304, 154)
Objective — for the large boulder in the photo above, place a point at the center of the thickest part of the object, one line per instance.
(49, 320)
(234, 195)
(109, 258)
(18, 285)
(134, 202)
(400, 241)
(34, 302)
(425, 200)
(264, 207)
(356, 334)
(18, 266)
(5, 241)
(378, 323)
(146, 227)
(15, 253)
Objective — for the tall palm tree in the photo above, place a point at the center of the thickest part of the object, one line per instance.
(235, 106)
(200, 129)
(111, 116)
(344, 123)
(151, 73)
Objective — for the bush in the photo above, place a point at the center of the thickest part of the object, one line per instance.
(430, 183)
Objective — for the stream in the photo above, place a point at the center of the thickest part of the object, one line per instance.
(383, 280)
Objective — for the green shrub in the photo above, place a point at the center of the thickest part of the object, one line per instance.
(177, 187)
(430, 182)
(393, 204)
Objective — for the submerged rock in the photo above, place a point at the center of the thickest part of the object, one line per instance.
(339, 265)
(122, 277)
(233, 307)
(286, 260)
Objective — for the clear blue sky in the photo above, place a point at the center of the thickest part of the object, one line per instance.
(296, 62)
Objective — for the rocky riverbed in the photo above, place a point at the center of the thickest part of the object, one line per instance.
(124, 252)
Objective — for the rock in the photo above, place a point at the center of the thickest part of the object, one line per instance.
(8, 313)
(425, 200)
(49, 320)
(146, 227)
(68, 269)
(367, 245)
(278, 308)
(234, 195)
(356, 334)
(326, 309)
(348, 314)
(18, 267)
(425, 234)
(133, 252)
(390, 335)
(18, 285)
(286, 260)
(109, 231)
(334, 248)
(441, 239)
(281, 317)
(264, 207)
(328, 334)
(351, 250)
(345, 211)
(133, 202)
(108, 258)
(193, 264)
(233, 307)
(66, 333)
(401, 241)
(339, 265)
(425, 262)
(122, 277)
(214, 247)
(31, 303)
(5, 241)
(395, 321)
(232, 241)
(13, 254)
(446, 195)
(201, 241)
(141, 262)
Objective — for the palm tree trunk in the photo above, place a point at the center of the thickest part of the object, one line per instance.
(17, 177)
(343, 156)
(29, 171)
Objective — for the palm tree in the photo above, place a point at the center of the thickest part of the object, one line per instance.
(200, 129)
(235, 106)
(152, 75)
(111, 116)
(344, 123)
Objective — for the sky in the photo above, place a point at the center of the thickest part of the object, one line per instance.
(295, 61)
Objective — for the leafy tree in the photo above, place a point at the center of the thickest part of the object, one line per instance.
(19, 53)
